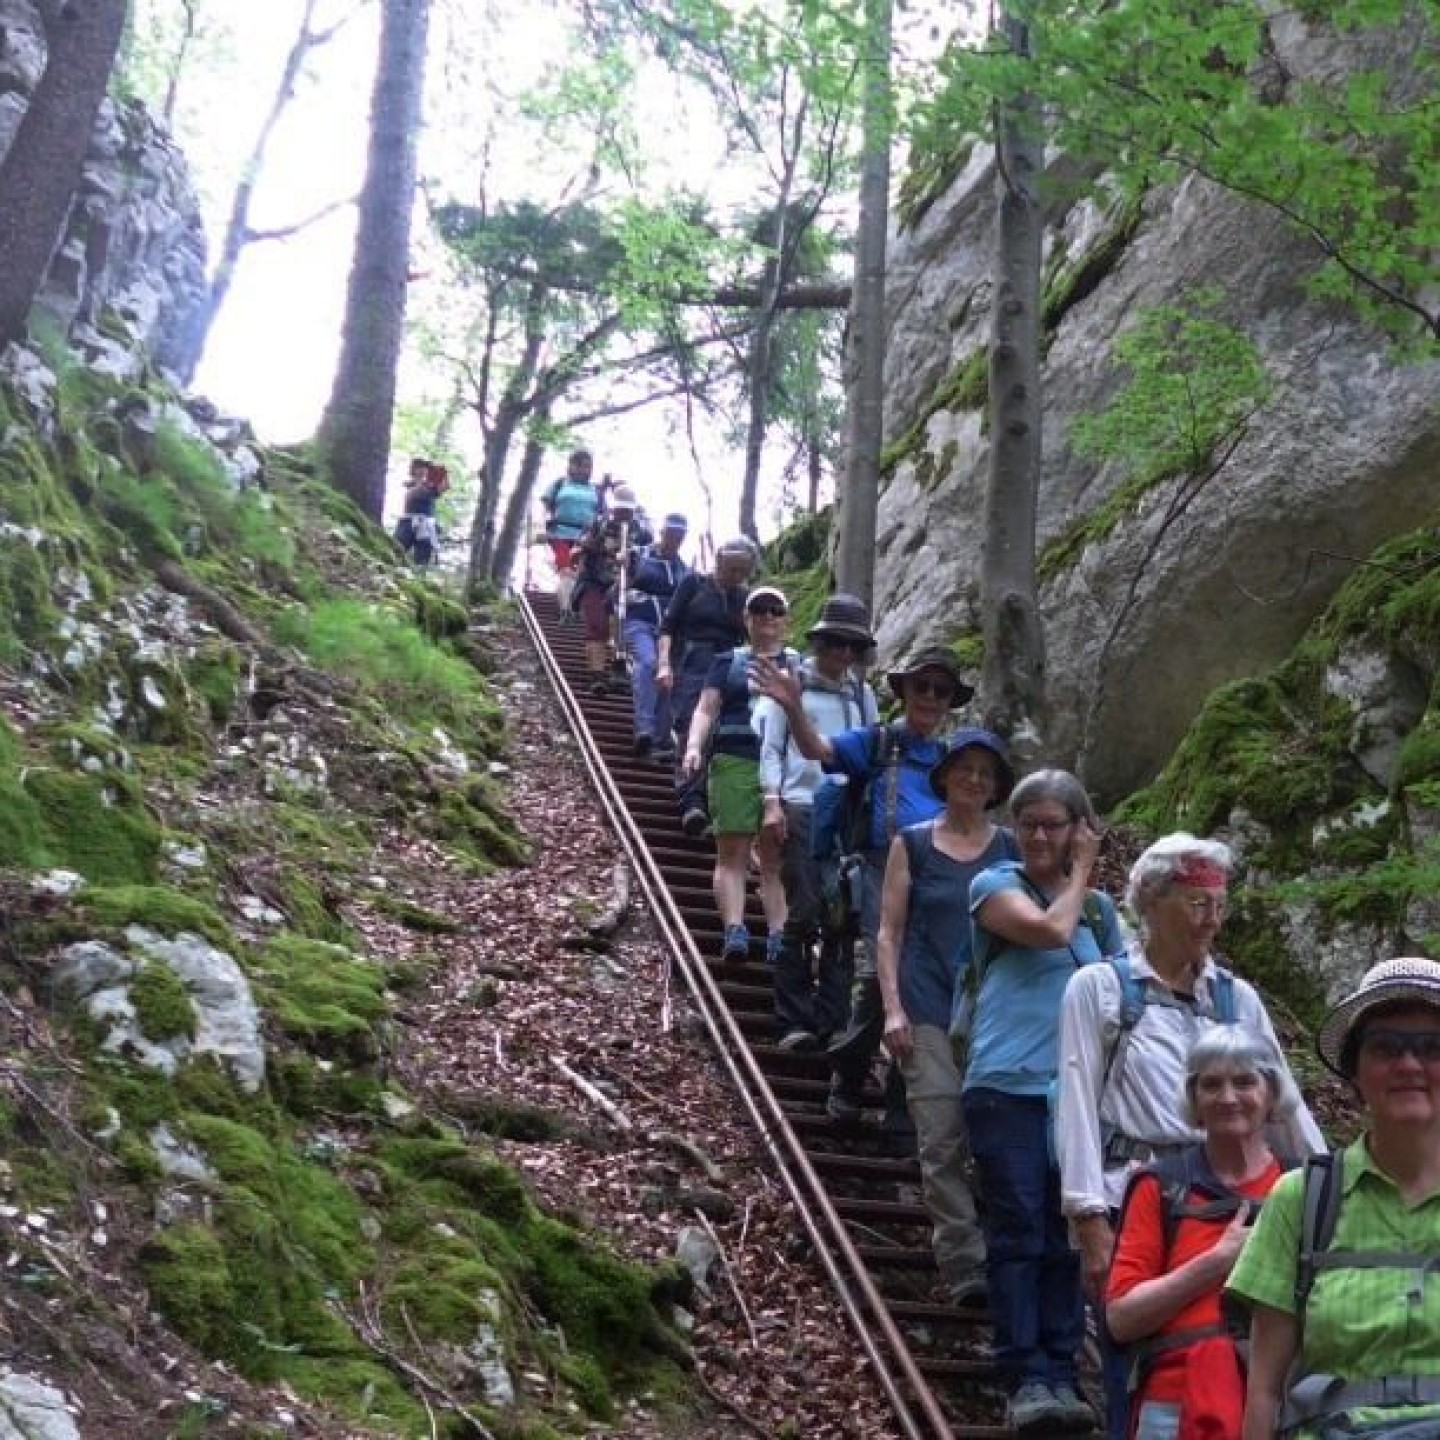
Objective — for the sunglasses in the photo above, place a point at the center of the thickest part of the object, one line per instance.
(1390, 1045)
(839, 642)
(930, 689)
(770, 612)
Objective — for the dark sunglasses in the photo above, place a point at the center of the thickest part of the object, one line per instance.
(841, 642)
(773, 612)
(923, 688)
(1390, 1045)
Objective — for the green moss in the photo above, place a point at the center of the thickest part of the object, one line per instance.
(97, 825)
(436, 614)
(967, 387)
(441, 1296)
(213, 675)
(323, 997)
(1068, 281)
(469, 1176)
(27, 614)
(169, 912)
(470, 819)
(188, 1275)
(412, 916)
(162, 1003)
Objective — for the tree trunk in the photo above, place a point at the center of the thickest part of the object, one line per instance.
(865, 339)
(517, 512)
(354, 439)
(1013, 677)
(41, 170)
(814, 469)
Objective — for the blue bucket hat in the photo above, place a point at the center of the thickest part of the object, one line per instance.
(675, 521)
(971, 738)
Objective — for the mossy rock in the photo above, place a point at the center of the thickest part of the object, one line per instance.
(162, 1004)
(324, 998)
(167, 911)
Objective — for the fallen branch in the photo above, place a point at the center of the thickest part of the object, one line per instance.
(691, 1151)
(593, 1094)
(730, 1279)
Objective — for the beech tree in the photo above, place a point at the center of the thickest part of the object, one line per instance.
(354, 435)
(41, 169)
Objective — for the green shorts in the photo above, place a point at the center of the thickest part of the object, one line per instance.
(734, 792)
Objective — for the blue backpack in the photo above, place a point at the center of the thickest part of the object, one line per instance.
(576, 505)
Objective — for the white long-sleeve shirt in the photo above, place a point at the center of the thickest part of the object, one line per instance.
(1142, 1096)
(833, 706)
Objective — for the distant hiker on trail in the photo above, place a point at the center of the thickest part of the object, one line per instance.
(600, 561)
(416, 532)
(571, 504)
(655, 572)
(706, 616)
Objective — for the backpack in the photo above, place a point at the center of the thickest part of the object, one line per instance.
(737, 683)
(1179, 1177)
(1135, 994)
(1312, 1398)
(854, 696)
(840, 813)
(574, 505)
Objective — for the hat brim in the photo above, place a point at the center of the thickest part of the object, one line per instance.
(963, 693)
(1337, 1026)
(1004, 774)
(842, 632)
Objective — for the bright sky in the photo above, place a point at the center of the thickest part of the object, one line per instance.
(272, 354)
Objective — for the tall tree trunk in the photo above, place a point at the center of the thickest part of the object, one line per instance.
(354, 438)
(1013, 677)
(865, 338)
(814, 468)
(517, 511)
(42, 167)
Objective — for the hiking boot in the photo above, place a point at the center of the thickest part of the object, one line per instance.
(640, 746)
(694, 822)
(736, 946)
(1073, 1414)
(1032, 1410)
(773, 941)
(969, 1292)
(797, 1040)
(843, 1105)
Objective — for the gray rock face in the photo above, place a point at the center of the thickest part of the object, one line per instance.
(32, 1410)
(133, 252)
(1153, 617)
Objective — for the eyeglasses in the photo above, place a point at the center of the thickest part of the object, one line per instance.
(1211, 909)
(1390, 1045)
(839, 642)
(1046, 827)
(769, 612)
(924, 689)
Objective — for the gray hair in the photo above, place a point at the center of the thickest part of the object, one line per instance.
(1233, 1050)
(1058, 785)
(1153, 873)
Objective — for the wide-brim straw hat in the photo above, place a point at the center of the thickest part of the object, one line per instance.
(1410, 979)
(932, 659)
(845, 616)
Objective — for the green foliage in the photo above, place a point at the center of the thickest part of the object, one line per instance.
(411, 677)
(1193, 381)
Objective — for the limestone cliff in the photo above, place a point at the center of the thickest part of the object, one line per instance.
(1342, 457)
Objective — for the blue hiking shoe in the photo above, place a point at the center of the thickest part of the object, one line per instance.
(736, 946)
(773, 941)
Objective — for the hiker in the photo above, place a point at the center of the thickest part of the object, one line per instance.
(571, 504)
(923, 951)
(1125, 1031)
(1342, 1270)
(706, 616)
(723, 728)
(1035, 921)
(891, 765)
(1182, 1225)
(600, 558)
(655, 573)
(416, 532)
(814, 966)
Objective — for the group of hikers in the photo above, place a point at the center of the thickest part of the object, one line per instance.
(1102, 1113)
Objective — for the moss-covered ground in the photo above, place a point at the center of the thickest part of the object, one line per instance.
(221, 697)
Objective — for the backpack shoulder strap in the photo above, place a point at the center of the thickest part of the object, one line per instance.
(1132, 1007)
(1321, 1186)
(1222, 994)
(919, 847)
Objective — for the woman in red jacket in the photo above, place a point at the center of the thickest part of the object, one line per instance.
(1182, 1228)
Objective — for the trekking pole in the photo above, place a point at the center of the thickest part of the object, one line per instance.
(622, 590)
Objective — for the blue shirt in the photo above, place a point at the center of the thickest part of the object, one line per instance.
(1015, 1039)
(935, 949)
(855, 756)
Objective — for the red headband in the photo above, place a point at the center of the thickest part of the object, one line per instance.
(1197, 871)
